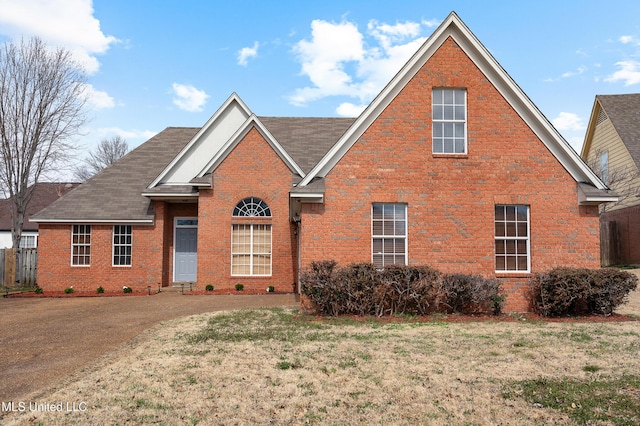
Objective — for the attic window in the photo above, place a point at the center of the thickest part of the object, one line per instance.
(449, 121)
(251, 207)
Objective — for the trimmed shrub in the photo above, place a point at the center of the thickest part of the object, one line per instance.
(208, 287)
(68, 290)
(579, 291)
(363, 289)
(100, 290)
(471, 294)
(239, 287)
(126, 289)
(38, 290)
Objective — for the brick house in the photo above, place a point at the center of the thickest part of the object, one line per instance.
(451, 165)
(612, 149)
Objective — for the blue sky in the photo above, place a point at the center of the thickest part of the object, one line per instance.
(158, 63)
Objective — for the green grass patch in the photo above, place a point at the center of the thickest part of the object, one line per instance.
(612, 400)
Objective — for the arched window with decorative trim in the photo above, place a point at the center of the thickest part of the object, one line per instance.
(251, 207)
(250, 241)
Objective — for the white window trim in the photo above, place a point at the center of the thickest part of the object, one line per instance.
(113, 247)
(527, 239)
(251, 254)
(72, 245)
(465, 121)
(405, 236)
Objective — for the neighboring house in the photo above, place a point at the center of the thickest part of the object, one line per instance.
(44, 194)
(451, 165)
(612, 149)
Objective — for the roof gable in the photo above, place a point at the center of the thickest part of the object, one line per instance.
(241, 132)
(454, 27)
(207, 143)
(623, 111)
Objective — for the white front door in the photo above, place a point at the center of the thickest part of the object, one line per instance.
(185, 258)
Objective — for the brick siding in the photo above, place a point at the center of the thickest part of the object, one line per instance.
(451, 199)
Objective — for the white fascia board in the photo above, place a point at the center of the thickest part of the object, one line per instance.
(167, 195)
(96, 221)
(308, 197)
(252, 121)
(234, 98)
(455, 28)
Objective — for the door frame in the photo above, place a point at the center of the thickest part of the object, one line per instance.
(183, 226)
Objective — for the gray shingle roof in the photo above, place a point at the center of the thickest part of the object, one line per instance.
(624, 113)
(306, 139)
(115, 192)
(44, 193)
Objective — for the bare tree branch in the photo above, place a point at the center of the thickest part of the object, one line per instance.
(106, 153)
(42, 99)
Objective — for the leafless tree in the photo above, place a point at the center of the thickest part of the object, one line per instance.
(42, 99)
(106, 153)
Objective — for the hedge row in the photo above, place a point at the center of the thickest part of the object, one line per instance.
(576, 291)
(363, 289)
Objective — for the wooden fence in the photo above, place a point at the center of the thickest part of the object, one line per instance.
(18, 267)
(610, 244)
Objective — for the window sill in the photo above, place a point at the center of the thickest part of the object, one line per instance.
(520, 274)
(457, 156)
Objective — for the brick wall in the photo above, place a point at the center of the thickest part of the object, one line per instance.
(55, 272)
(251, 169)
(451, 199)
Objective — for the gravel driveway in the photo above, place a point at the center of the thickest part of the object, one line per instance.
(42, 340)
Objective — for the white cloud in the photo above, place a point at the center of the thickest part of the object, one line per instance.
(247, 52)
(340, 60)
(626, 39)
(347, 109)
(189, 98)
(98, 98)
(126, 134)
(629, 73)
(65, 23)
(568, 121)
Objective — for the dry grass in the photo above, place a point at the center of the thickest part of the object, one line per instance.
(267, 367)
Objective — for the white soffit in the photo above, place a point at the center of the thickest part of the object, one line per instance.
(206, 143)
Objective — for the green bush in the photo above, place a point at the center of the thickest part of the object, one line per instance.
(100, 290)
(38, 290)
(580, 291)
(68, 290)
(271, 289)
(209, 287)
(126, 289)
(364, 289)
(239, 287)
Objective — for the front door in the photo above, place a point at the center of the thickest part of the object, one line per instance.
(186, 250)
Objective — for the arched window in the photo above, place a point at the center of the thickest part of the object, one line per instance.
(251, 242)
(251, 207)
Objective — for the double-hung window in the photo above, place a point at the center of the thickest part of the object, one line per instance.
(449, 121)
(122, 245)
(512, 238)
(251, 238)
(81, 245)
(389, 234)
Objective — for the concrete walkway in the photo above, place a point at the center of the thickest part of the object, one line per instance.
(42, 340)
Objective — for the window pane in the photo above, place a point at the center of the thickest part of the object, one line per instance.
(511, 241)
(448, 96)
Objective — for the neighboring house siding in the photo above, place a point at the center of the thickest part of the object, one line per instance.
(450, 199)
(606, 139)
(252, 169)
